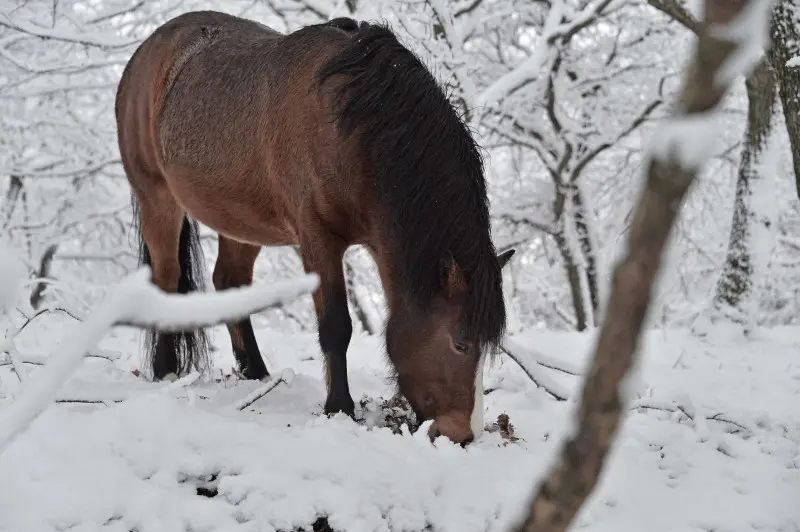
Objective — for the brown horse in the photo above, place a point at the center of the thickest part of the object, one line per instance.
(327, 137)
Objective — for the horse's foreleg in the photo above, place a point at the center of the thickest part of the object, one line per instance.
(234, 268)
(322, 253)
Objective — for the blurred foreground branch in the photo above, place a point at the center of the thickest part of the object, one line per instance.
(733, 30)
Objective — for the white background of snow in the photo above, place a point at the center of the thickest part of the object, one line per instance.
(92, 467)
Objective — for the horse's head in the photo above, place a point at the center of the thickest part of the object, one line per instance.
(438, 362)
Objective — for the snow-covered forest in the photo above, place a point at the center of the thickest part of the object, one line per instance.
(569, 101)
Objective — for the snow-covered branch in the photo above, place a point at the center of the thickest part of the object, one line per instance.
(286, 377)
(560, 26)
(136, 302)
(532, 370)
(57, 34)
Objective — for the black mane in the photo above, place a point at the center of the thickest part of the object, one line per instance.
(430, 173)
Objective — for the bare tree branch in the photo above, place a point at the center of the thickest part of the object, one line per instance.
(137, 302)
(677, 12)
(37, 294)
(540, 379)
(286, 376)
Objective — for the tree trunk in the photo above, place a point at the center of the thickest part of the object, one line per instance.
(785, 35)
(37, 292)
(582, 222)
(12, 195)
(578, 256)
(735, 283)
(574, 279)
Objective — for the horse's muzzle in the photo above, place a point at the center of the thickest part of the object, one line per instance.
(454, 426)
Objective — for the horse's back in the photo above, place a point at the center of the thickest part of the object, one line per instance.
(245, 91)
(153, 69)
(224, 107)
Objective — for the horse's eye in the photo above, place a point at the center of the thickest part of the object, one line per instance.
(461, 347)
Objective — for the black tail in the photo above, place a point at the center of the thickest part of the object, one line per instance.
(191, 349)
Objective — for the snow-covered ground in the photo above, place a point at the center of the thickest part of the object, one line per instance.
(137, 464)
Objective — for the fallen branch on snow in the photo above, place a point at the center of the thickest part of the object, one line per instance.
(542, 359)
(40, 359)
(286, 377)
(539, 378)
(674, 406)
(137, 302)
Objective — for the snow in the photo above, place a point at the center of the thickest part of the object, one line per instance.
(12, 273)
(793, 62)
(750, 30)
(527, 69)
(281, 464)
(689, 139)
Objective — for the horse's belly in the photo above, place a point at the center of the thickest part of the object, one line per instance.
(261, 234)
(253, 218)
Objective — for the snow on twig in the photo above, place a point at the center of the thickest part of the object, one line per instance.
(543, 359)
(58, 34)
(750, 31)
(170, 313)
(40, 359)
(531, 368)
(647, 403)
(555, 28)
(185, 381)
(17, 363)
(136, 302)
(286, 377)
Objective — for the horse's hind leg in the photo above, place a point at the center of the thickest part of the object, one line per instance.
(234, 268)
(170, 246)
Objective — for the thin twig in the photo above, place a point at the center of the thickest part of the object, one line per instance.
(539, 379)
(16, 361)
(542, 359)
(646, 404)
(286, 377)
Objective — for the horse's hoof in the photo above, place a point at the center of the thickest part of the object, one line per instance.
(248, 374)
(344, 406)
(171, 377)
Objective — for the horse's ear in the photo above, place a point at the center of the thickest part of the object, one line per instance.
(504, 257)
(453, 280)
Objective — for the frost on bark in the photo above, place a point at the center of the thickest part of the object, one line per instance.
(785, 36)
(770, 79)
(736, 281)
(574, 244)
(668, 177)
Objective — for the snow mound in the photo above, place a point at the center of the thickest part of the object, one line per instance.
(188, 460)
